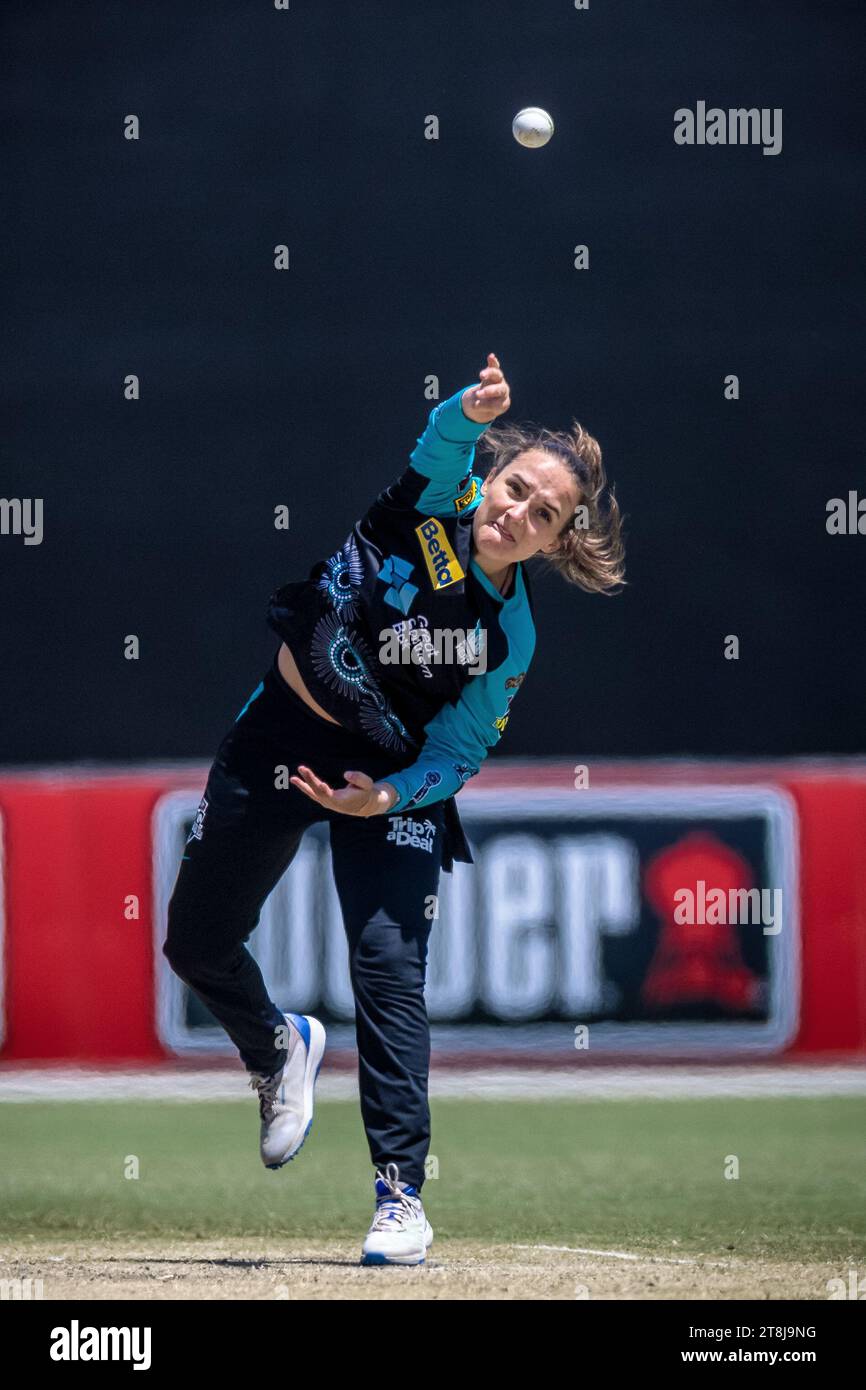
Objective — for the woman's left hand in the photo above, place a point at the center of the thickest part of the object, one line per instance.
(363, 796)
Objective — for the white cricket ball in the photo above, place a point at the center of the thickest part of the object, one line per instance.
(532, 127)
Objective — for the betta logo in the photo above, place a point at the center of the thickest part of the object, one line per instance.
(442, 564)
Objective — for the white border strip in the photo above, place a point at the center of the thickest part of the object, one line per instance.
(607, 1083)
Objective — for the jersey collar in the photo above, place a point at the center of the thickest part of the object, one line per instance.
(517, 589)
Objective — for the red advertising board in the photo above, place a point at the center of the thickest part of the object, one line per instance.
(600, 900)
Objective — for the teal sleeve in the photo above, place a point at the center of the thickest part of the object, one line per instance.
(444, 453)
(458, 739)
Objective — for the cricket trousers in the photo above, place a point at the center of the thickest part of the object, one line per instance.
(246, 833)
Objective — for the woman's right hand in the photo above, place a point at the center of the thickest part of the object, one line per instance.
(362, 797)
(491, 397)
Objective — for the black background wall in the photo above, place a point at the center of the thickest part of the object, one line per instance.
(411, 257)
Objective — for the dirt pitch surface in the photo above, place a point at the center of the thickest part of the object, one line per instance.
(454, 1270)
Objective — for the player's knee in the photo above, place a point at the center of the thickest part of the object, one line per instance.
(390, 951)
(181, 959)
(180, 948)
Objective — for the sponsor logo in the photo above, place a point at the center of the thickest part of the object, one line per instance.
(464, 500)
(465, 771)
(395, 572)
(442, 564)
(415, 644)
(513, 684)
(472, 650)
(431, 779)
(406, 831)
(197, 829)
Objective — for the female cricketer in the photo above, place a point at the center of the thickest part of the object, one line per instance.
(400, 657)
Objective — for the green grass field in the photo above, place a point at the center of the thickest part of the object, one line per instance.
(627, 1175)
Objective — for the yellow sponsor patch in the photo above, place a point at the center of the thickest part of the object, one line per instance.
(442, 564)
(467, 497)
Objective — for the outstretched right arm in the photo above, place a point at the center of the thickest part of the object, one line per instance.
(444, 454)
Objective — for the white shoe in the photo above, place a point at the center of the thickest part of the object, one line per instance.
(400, 1233)
(286, 1124)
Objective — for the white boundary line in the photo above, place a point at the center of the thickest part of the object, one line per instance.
(41, 1083)
(626, 1255)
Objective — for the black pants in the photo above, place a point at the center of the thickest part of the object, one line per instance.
(246, 833)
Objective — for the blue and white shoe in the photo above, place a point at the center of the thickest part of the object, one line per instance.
(285, 1123)
(400, 1233)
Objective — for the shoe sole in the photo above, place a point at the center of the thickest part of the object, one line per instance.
(315, 1053)
(378, 1259)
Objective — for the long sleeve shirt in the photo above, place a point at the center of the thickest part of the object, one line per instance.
(400, 634)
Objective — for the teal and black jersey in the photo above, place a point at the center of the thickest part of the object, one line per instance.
(400, 635)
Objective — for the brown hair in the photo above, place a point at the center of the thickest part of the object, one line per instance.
(591, 556)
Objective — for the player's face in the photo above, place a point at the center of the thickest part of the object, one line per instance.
(524, 507)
